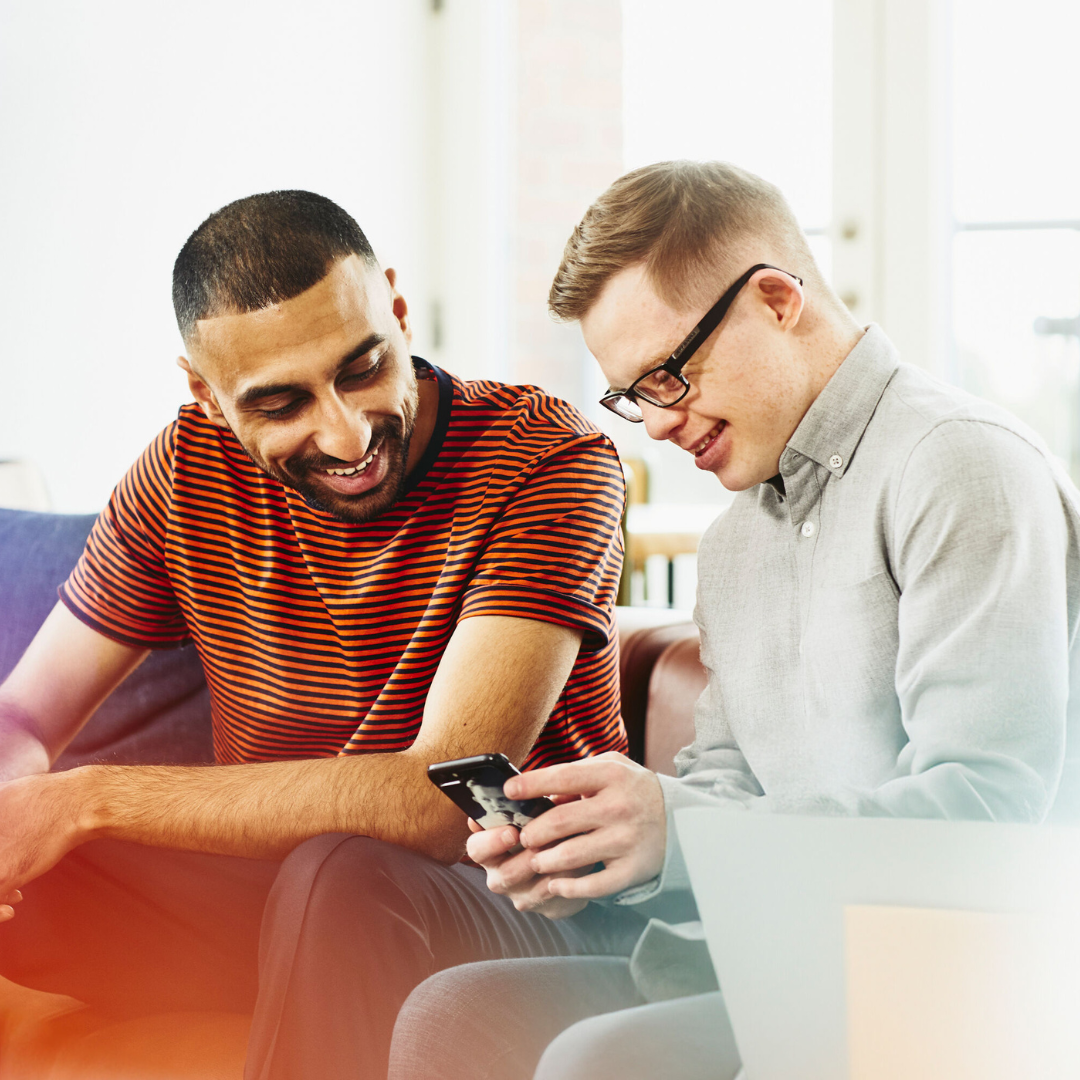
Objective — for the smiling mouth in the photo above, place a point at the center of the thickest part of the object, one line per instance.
(353, 470)
(702, 445)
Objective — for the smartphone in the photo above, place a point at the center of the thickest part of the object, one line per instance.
(475, 784)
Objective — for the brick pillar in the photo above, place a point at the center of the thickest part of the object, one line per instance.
(569, 148)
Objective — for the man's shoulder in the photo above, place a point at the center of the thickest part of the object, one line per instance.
(930, 437)
(521, 417)
(198, 440)
(523, 403)
(194, 453)
(915, 404)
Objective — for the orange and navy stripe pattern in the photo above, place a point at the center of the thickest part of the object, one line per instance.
(320, 637)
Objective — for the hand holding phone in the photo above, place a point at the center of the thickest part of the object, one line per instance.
(475, 784)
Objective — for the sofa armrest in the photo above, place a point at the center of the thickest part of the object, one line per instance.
(676, 683)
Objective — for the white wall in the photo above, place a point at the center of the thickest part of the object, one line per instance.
(470, 160)
(764, 104)
(123, 124)
(892, 228)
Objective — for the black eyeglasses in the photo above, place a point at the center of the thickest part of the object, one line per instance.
(666, 385)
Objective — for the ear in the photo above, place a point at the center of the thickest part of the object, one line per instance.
(202, 394)
(400, 308)
(781, 295)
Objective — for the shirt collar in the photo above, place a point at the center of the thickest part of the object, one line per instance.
(833, 425)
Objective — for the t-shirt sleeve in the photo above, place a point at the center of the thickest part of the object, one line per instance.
(555, 554)
(120, 586)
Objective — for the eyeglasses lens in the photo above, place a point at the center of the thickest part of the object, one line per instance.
(660, 386)
(625, 407)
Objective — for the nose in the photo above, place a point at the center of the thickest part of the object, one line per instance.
(661, 424)
(341, 432)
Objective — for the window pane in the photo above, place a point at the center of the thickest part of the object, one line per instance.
(1015, 93)
(745, 83)
(1003, 282)
(821, 246)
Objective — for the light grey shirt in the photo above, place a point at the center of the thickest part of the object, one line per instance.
(890, 627)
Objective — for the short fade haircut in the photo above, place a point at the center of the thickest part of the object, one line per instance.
(692, 225)
(260, 251)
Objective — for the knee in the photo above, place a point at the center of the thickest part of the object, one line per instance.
(455, 1025)
(591, 1049)
(325, 864)
(339, 874)
(432, 1026)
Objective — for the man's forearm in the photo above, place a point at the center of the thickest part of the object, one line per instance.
(265, 810)
(496, 685)
(23, 751)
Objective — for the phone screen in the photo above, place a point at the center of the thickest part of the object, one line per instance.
(476, 785)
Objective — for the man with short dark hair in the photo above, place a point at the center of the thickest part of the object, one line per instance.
(889, 616)
(381, 566)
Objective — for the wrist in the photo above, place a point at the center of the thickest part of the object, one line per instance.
(85, 811)
(23, 755)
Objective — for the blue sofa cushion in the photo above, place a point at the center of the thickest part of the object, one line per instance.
(159, 714)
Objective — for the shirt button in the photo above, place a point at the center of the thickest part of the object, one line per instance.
(836, 462)
(807, 528)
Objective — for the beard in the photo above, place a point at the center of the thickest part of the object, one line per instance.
(302, 475)
(390, 437)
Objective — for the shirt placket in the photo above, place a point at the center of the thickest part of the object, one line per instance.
(803, 489)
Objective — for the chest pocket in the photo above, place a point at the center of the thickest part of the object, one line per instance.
(849, 646)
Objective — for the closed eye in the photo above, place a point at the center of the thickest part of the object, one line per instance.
(351, 379)
(347, 380)
(281, 412)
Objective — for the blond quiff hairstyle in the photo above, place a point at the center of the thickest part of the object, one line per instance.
(692, 225)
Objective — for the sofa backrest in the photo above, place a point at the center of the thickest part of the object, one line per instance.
(160, 713)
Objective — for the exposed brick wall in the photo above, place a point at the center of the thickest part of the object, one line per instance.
(569, 148)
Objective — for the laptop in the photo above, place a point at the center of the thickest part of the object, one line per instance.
(813, 924)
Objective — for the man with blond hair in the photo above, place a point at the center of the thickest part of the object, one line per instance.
(888, 616)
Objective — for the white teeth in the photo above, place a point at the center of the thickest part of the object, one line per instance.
(708, 439)
(352, 470)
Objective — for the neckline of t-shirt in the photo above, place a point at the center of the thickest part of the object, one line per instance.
(442, 425)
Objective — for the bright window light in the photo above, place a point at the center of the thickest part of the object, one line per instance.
(745, 83)
(1016, 199)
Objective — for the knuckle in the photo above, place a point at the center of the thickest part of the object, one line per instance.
(477, 847)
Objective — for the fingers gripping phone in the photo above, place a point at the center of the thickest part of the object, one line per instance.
(475, 784)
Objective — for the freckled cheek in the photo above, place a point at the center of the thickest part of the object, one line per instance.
(726, 395)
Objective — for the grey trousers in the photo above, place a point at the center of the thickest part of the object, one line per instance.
(557, 1018)
(323, 948)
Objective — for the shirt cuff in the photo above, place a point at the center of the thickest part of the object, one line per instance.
(673, 875)
(150, 638)
(521, 602)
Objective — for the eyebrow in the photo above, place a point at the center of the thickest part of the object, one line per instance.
(254, 394)
(652, 365)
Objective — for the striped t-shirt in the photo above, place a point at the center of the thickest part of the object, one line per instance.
(322, 637)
